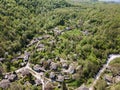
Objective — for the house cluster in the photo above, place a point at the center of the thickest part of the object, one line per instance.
(110, 79)
(58, 71)
(57, 31)
(7, 79)
(36, 40)
(2, 59)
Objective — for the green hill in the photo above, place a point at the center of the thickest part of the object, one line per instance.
(91, 31)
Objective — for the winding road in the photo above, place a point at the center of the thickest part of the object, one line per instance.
(111, 58)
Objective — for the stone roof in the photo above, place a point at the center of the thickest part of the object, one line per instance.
(49, 86)
(65, 65)
(26, 56)
(38, 82)
(53, 66)
(22, 64)
(2, 59)
(4, 83)
(38, 68)
(117, 79)
(68, 28)
(52, 75)
(49, 61)
(12, 77)
(60, 78)
(41, 46)
(46, 36)
(108, 78)
(71, 69)
(40, 38)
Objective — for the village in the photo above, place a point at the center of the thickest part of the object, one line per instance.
(50, 73)
(46, 71)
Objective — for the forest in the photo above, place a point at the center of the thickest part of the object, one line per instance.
(84, 33)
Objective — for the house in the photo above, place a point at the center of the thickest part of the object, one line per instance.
(54, 66)
(4, 83)
(42, 61)
(46, 36)
(117, 79)
(22, 64)
(108, 79)
(40, 47)
(26, 56)
(60, 78)
(27, 83)
(12, 77)
(2, 59)
(40, 38)
(52, 76)
(37, 68)
(38, 82)
(45, 65)
(49, 86)
(49, 61)
(35, 40)
(65, 65)
(67, 77)
(68, 28)
(71, 69)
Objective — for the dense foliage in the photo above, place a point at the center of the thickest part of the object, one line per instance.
(95, 32)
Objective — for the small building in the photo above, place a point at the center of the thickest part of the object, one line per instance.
(65, 65)
(71, 69)
(38, 82)
(117, 79)
(46, 36)
(108, 79)
(49, 86)
(22, 64)
(26, 57)
(68, 28)
(40, 47)
(4, 83)
(60, 78)
(49, 61)
(2, 59)
(52, 76)
(12, 77)
(54, 66)
(40, 38)
(37, 68)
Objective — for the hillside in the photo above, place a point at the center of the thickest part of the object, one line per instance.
(58, 38)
